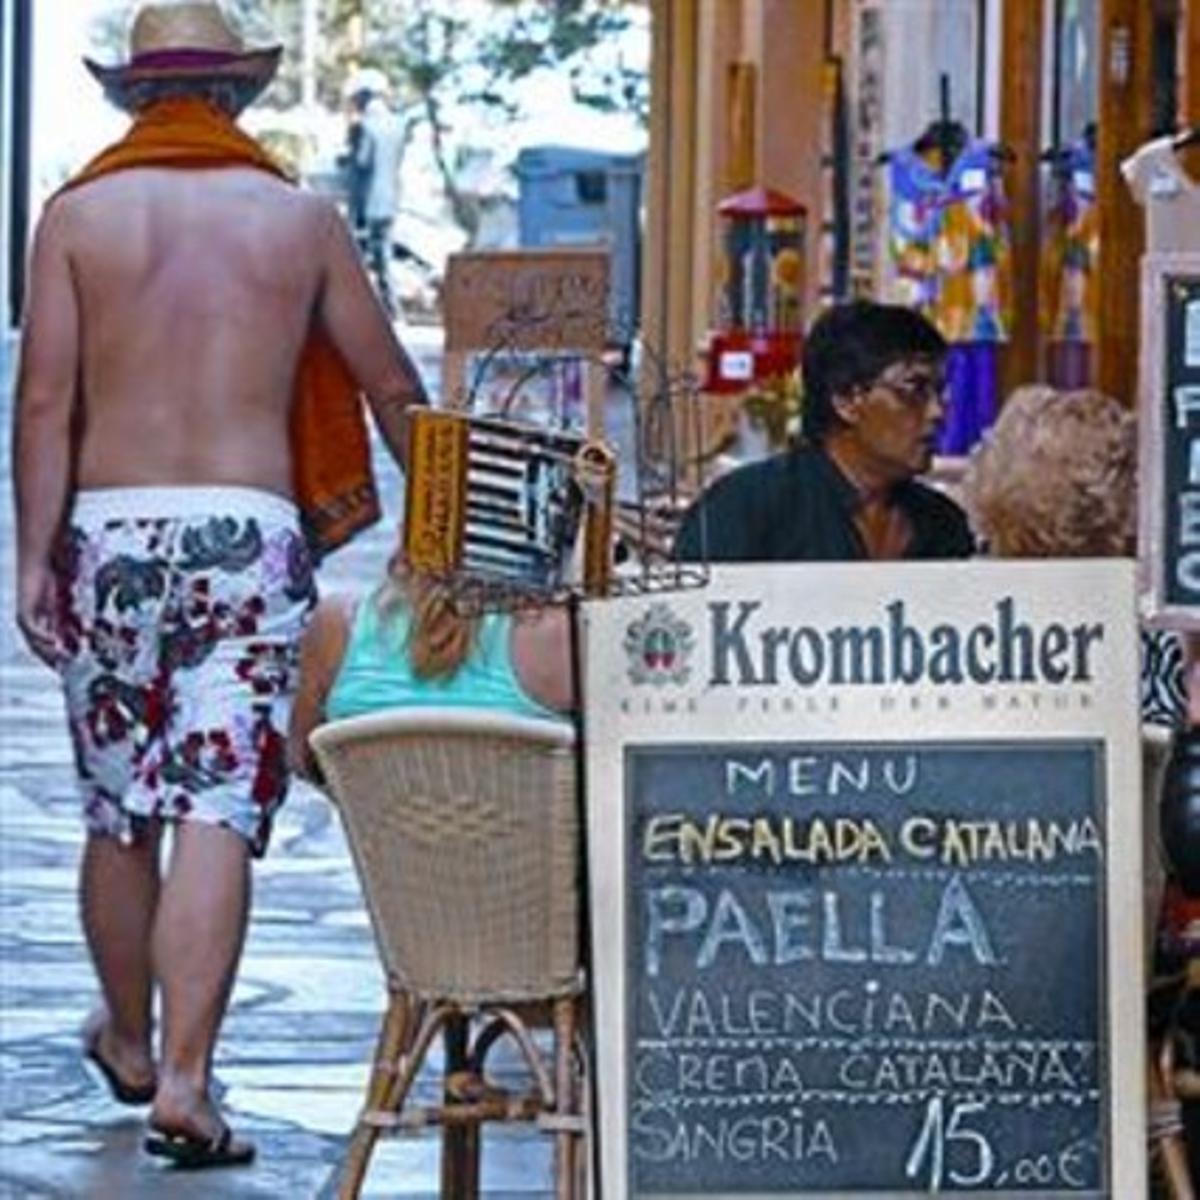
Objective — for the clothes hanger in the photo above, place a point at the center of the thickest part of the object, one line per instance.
(947, 136)
(1058, 154)
(1188, 137)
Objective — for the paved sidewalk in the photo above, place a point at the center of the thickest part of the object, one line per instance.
(292, 1060)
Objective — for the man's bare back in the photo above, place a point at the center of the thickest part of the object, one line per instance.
(195, 293)
(167, 314)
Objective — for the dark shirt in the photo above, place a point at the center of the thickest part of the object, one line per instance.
(798, 507)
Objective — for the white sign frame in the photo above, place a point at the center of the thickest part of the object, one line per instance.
(1157, 271)
(693, 709)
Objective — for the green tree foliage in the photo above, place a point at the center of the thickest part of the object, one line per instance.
(450, 62)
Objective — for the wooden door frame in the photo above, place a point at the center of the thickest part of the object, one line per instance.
(1021, 74)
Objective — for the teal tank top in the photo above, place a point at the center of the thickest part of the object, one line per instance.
(375, 672)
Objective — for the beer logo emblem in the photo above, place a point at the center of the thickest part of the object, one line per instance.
(659, 647)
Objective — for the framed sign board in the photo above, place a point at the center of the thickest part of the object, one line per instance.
(510, 313)
(866, 883)
(530, 299)
(1169, 549)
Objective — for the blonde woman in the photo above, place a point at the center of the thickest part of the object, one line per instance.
(1056, 477)
(409, 644)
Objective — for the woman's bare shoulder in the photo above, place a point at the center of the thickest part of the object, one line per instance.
(541, 652)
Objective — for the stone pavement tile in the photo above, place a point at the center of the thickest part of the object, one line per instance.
(106, 1161)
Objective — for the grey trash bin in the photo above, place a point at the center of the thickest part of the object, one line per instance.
(571, 197)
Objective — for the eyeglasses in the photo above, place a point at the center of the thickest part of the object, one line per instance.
(917, 389)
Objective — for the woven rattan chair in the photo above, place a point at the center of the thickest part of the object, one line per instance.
(464, 827)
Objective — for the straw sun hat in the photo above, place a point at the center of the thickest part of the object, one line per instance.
(181, 43)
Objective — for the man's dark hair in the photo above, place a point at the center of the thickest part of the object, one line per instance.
(850, 346)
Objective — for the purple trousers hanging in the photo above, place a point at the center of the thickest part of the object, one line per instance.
(1069, 364)
(970, 395)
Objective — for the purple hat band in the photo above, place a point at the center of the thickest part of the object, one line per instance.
(158, 59)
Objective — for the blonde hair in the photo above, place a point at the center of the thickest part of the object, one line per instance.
(1056, 477)
(440, 634)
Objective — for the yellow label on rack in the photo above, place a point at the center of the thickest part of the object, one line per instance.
(435, 500)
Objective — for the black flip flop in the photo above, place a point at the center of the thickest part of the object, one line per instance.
(123, 1093)
(191, 1153)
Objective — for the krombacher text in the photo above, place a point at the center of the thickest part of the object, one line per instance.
(1006, 649)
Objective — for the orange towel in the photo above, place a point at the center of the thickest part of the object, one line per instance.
(334, 486)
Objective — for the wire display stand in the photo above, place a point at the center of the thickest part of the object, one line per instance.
(557, 470)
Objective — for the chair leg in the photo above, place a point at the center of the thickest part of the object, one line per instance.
(394, 1034)
(460, 1143)
(585, 1186)
(1171, 1147)
(565, 1142)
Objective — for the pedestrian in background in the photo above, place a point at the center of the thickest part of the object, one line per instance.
(196, 335)
(356, 163)
(379, 155)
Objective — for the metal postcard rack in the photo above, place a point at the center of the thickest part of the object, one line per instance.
(514, 513)
(499, 505)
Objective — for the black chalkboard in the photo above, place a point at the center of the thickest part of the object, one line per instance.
(866, 968)
(1180, 425)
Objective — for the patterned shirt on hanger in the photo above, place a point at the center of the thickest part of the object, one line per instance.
(950, 242)
(1070, 295)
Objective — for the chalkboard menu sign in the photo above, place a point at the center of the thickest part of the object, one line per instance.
(865, 903)
(829, 966)
(1170, 439)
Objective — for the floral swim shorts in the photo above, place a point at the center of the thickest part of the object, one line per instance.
(181, 610)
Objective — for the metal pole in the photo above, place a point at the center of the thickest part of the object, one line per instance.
(17, 111)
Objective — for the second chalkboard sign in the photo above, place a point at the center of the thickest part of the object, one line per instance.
(1170, 440)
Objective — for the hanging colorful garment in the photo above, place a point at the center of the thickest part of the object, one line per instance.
(952, 253)
(972, 386)
(950, 242)
(915, 195)
(1069, 292)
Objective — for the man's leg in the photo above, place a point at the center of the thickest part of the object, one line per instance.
(197, 942)
(380, 236)
(119, 888)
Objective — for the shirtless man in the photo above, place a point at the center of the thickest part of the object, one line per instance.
(161, 568)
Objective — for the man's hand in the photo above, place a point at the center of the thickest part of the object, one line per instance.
(36, 614)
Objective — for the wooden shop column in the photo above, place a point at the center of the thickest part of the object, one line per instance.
(1020, 130)
(1126, 98)
(1189, 63)
(667, 254)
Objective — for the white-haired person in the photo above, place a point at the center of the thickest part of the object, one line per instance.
(1056, 477)
(377, 157)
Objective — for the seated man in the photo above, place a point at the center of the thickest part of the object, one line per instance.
(873, 402)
